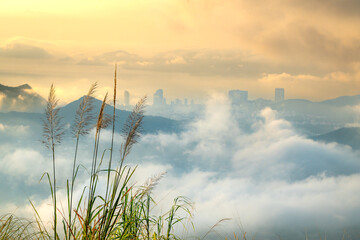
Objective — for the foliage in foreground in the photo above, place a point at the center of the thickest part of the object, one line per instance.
(124, 211)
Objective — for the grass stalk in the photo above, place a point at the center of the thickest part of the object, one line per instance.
(81, 125)
(112, 136)
(53, 132)
(123, 211)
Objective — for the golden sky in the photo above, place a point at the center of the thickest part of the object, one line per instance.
(190, 48)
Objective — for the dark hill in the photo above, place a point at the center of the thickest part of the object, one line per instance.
(21, 99)
(343, 101)
(151, 124)
(347, 136)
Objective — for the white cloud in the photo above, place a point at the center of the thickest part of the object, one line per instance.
(14, 129)
(268, 179)
(2, 96)
(24, 163)
(323, 201)
(271, 177)
(356, 111)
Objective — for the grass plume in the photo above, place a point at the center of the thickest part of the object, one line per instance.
(52, 132)
(124, 210)
(132, 128)
(82, 125)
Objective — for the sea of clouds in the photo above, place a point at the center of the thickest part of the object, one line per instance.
(271, 181)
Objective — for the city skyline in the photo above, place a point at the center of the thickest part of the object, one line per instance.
(125, 97)
(234, 95)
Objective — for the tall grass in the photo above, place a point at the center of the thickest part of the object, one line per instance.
(12, 227)
(81, 127)
(123, 210)
(53, 132)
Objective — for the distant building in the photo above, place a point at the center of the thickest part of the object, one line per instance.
(238, 97)
(279, 94)
(185, 101)
(126, 98)
(158, 98)
(177, 101)
(192, 102)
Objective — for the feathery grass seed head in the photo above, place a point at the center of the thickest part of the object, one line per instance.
(53, 130)
(84, 114)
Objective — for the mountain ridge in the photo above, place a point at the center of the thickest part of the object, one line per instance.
(349, 136)
(21, 98)
(150, 123)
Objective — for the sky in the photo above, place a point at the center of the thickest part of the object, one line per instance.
(190, 48)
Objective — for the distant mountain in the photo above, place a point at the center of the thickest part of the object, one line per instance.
(21, 99)
(339, 101)
(336, 102)
(347, 136)
(343, 101)
(299, 105)
(151, 124)
(335, 112)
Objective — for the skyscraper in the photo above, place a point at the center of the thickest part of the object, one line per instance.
(158, 98)
(238, 97)
(126, 98)
(279, 94)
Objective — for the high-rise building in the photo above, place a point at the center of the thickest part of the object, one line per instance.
(158, 97)
(238, 97)
(279, 94)
(185, 101)
(126, 98)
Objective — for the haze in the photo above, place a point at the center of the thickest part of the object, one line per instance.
(275, 165)
(189, 48)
